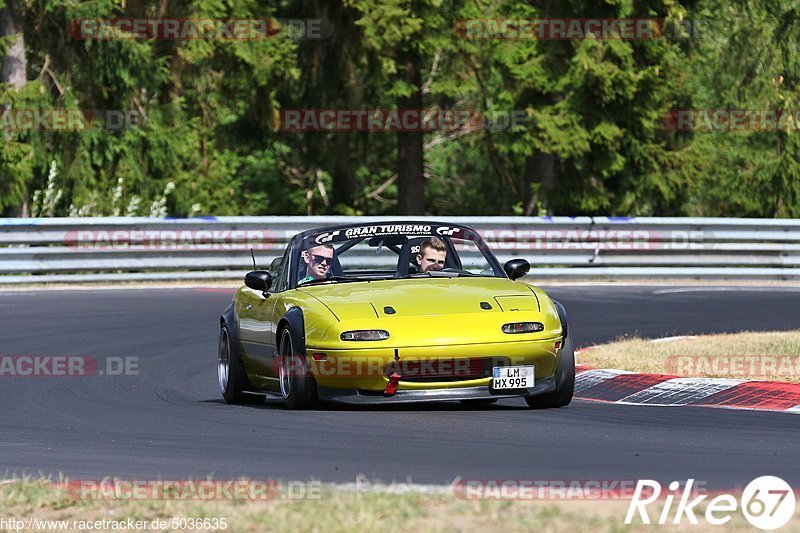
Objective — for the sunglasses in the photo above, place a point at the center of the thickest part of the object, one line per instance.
(328, 261)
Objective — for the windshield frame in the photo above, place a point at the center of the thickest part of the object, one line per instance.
(338, 235)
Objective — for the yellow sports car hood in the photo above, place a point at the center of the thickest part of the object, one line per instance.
(414, 311)
(423, 297)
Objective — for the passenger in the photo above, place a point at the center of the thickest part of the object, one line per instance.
(432, 254)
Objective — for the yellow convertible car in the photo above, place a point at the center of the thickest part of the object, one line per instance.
(393, 312)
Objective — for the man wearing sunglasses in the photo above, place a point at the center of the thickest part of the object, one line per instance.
(318, 262)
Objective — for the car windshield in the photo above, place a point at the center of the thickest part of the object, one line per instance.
(400, 251)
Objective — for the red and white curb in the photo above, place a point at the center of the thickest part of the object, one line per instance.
(631, 388)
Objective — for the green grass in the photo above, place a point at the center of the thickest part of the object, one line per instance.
(773, 356)
(337, 510)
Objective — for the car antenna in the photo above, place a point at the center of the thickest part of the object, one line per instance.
(253, 255)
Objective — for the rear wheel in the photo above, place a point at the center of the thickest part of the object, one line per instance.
(298, 387)
(231, 376)
(565, 382)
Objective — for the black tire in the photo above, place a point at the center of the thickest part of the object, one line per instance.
(479, 402)
(565, 382)
(231, 376)
(298, 386)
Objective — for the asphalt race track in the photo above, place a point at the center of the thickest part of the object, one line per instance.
(169, 421)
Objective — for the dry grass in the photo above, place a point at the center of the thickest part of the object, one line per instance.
(773, 356)
(340, 511)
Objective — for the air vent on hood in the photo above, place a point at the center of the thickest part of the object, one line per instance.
(486, 305)
(389, 310)
(518, 303)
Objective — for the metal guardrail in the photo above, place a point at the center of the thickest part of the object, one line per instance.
(134, 249)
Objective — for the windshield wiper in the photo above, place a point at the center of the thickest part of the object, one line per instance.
(431, 274)
(332, 278)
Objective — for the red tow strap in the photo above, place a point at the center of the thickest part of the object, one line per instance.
(391, 387)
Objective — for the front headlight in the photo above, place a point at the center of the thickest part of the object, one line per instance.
(523, 327)
(365, 335)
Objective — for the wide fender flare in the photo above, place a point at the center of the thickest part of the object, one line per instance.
(562, 314)
(230, 319)
(293, 319)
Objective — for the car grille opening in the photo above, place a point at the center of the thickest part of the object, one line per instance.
(445, 370)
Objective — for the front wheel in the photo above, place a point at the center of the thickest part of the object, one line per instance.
(565, 382)
(298, 387)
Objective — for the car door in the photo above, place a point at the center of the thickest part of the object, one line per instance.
(257, 328)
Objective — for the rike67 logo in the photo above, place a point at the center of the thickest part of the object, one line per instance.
(768, 503)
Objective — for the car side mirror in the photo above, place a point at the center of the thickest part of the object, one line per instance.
(516, 268)
(258, 280)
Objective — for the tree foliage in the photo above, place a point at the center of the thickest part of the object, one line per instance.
(592, 140)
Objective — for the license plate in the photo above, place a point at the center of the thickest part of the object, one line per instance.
(512, 377)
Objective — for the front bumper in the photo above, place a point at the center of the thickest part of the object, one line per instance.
(367, 369)
(360, 397)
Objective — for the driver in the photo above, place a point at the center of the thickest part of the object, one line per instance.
(432, 254)
(318, 262)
